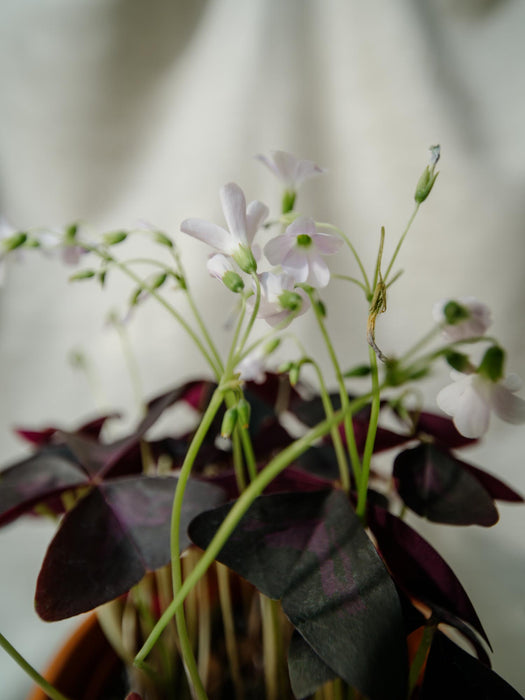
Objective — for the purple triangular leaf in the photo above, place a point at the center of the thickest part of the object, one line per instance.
(454, 674)
(442, 429)
(434, 484)
(310, 549)
(419, 570)
(35, 480)
(113, 536)
(307, 671)
(497, 488)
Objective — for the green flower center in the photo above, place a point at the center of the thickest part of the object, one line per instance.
(304, 240)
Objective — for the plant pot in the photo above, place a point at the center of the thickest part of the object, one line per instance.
(86, 667)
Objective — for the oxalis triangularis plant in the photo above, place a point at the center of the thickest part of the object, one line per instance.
(236, 560)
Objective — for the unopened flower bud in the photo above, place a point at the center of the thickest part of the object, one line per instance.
(243, 413)
(82, 275)
(14, 242)
(271, 346)
(294, 374)
(243, 256)
(455, 313)
(158, 281)
(427, 179)
(233, 281)
(493, 363)
(228, 422)
(115, 238)
(459, 362)
(163, 239)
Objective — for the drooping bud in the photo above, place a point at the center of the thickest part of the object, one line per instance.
(243, 413)
(294, 374)
(82, 275)
(428, 178)
(163, 239)
(233, 281)
(493, 363)
(455, 313)
(115, 237)
(459, 362)
(14, 242)
(291, 301)
(271, 346)
(228, 422)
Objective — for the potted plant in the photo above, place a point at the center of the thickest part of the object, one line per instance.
(262, 554)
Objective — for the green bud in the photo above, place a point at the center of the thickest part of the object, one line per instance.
(455, 313)
(493, 363)
(288, 201)
(102, 277)
(294, 374)
(159, 280)
(114, 238)
(163, 239)
(459, 362)
(15, 241)
(228, 422)
(321, 308)
(181, 281)
(428, 178)
(82, 275)
(243, 256)
(243, 413)
(271, 346)
(286, 367)
(70, 234)
(136, 296)
(358, 371)
(291, 301)
(233, 281)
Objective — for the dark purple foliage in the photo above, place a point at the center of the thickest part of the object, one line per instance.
(310, 551)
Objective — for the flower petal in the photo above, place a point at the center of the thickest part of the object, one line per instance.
(209, 233)
(506, 406)
(449, 397)
(218, 265)
(278, 248)
(326, 243)
(256, 213)
(319, 274)
(296, 264)
(472, 415)
(234, 208)
(302, 225)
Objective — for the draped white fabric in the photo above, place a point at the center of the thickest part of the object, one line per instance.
(113, 112)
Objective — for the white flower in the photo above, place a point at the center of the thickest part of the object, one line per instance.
(473, 318)
(278, 298)
(290, 170)
(299, 252)
(252, 368)
(222, 268)
(471, 398)
(242, 222)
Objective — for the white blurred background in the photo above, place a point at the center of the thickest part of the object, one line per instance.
(117, 111)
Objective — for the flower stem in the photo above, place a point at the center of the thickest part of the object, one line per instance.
(200, 434)
(370, 438)
(348, 424)
(51, 691)
(331, 227)
(239, 508)
(400, 242)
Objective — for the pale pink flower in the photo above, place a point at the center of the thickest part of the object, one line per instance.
(475, 324)
(275, 288)
(242, 222)
(300, 249)
(252, 368)
(472, 397)
(290, 170)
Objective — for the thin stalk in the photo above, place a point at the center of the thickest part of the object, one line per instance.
(154, 293)
(204, 639)
(239, 508)
(370, 437)
(46, 686)
(270, 634)
(347, 278)
(238, 464)
(400, 242)
(348, 242)
(200, 434)
(249, 455)
(253, 316)
(334, 433)
(230, 637)
(348, 424)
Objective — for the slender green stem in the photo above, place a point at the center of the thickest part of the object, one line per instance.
(253, 316)
(200, 434)
(31, 672)
(348, 242)
(334, 433)
(155, 294)
(232, 650)
(347, 278)
(239, 508)
(237, 460)
(400, 242)
(370, 437)
(249, 455)
(377, 272)
(348, 424)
